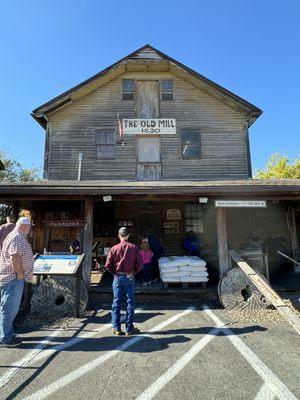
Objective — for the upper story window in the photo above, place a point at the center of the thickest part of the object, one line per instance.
(128, 89)
(105, 143)
(167, 89)
(191, 143)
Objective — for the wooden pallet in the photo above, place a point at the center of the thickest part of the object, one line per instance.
(184, 285)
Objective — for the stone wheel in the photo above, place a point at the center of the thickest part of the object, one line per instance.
(236, 291)
(56, 296)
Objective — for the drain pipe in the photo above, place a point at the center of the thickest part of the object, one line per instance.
(79, 166)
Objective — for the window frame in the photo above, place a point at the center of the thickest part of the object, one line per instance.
(167, 91)
(199, 157)
(200, 211)
(128, 92)
(110, 145)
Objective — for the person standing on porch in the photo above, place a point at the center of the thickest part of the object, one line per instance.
(5, 229)
(16, 265)
(123, 261)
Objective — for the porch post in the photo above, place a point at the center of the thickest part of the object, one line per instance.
(88, 239)
(222, 242)
(16, 209)
(292, 230)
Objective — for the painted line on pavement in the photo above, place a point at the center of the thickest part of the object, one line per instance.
(76, 374)
(75, 340)
(271, 380)
(164, 379)
(19, 365)
(265, 393)
(37, 353)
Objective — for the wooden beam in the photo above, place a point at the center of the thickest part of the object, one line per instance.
(264, 287)
(222, 242)
(88, 239)
(291, 221)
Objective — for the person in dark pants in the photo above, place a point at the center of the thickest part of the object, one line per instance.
(124, 261)
(158, 251)
(192, 245)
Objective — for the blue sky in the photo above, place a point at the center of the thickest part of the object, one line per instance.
(251, 48)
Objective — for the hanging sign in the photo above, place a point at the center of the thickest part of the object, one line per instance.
(241, 203)
(171, 224)
(174, 214)
(149, 126)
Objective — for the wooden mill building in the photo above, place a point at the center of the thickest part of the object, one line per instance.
(151, 144)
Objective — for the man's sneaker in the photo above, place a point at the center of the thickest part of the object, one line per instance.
(14, 342)
(117, 332)
(133, 331)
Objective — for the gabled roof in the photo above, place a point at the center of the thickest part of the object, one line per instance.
(145, 57)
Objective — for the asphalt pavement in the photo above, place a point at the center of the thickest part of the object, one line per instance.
(185, 351)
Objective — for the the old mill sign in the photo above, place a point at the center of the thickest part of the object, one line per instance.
(155, 126)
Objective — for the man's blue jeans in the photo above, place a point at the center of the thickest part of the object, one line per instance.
(122, 285)
(10, 300)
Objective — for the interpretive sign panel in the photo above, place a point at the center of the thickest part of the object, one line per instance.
(149, 126)
(57, 264)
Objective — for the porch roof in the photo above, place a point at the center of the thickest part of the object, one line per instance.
(254, 187)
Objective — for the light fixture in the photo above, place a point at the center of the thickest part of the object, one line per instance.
(107, 198)
(203, 199)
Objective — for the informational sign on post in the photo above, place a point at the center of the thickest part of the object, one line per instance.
(57, 264)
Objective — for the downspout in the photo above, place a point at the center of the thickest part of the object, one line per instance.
(79, 166)
(249, 166)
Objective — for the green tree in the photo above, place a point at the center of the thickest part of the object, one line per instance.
(14, 172)
(279, 167)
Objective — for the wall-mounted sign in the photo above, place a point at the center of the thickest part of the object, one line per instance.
(64, 223)
(174, 214)
(57, 264)
(241, 203)
(171, 224)
(171, 231)
(154, 126)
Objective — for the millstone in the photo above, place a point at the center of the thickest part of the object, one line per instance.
(56, 295)
(236, 291)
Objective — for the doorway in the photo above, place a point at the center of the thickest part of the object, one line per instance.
(149, 223)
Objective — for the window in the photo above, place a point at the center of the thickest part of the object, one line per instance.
(128, 89)
(105, 143)
(194, 218)
(191, 143)
(167, 90)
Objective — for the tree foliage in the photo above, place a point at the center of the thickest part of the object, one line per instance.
(14, 172)
(279, 167)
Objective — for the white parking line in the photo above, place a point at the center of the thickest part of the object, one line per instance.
(72, 376)
(273, 382)
(18, 365)
(265, 393)
(178, 366)
(75, 340)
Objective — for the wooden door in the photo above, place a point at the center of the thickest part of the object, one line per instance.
(148, 147)
(150, 223)
(148, 158)
(147, 105)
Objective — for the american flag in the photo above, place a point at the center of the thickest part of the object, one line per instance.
(120, 127)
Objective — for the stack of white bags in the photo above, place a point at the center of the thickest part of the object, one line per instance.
(183, 269)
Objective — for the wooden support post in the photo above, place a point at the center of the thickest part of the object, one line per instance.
(222, 242)
(292, 230)
(16, 209)
(88, 239)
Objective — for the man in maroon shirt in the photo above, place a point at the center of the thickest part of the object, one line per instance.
(123, 261)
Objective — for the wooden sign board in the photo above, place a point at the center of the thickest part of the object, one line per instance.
(174, 214)
(154, 126)
(171, 224)
(57, 264)
(241, 203)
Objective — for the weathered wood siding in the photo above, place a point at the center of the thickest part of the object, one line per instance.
(223, 135)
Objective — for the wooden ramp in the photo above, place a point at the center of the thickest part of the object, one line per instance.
(264, 287)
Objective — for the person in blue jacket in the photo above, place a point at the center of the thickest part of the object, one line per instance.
(192, 244)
